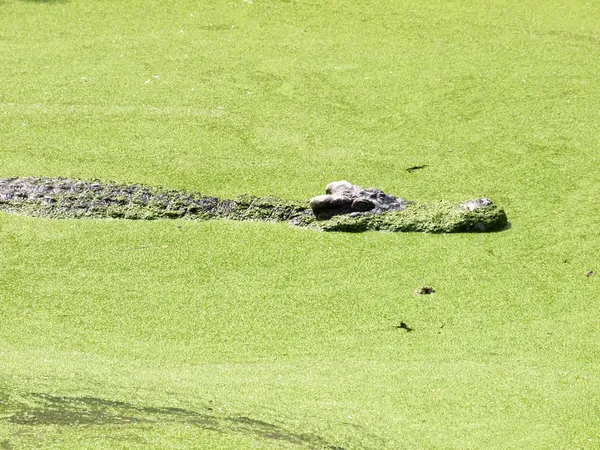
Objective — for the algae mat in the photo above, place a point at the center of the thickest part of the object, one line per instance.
(186, 327)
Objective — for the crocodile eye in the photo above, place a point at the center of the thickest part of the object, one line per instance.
(363, 204)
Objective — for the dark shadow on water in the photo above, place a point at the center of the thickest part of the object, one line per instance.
(45, 409)
(506, 227)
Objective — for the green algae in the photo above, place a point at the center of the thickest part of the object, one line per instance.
(440, 217)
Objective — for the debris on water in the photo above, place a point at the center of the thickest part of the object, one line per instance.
(415, 168)
(425, 290)
(403, 326)
(590, 273)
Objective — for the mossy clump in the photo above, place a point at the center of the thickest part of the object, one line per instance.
(440, 217)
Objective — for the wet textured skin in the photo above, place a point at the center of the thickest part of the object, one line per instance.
(342, 209)
(343, 197)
